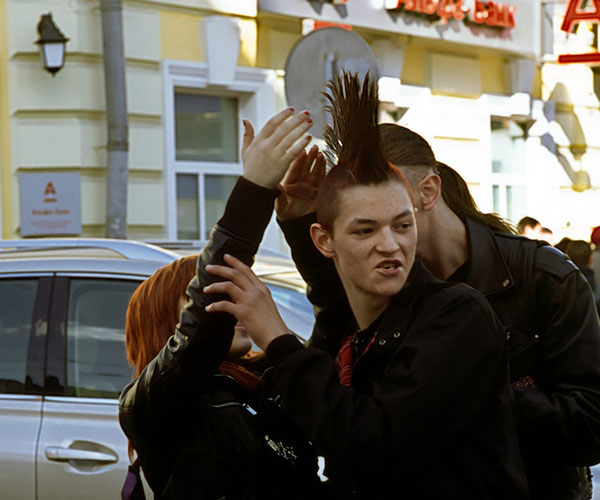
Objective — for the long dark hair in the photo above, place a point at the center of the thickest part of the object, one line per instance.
(409, 151)
(355, 151)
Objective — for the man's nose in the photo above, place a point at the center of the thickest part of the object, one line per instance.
(387, 241)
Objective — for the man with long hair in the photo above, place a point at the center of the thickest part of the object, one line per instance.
(404, 387)
(544, 303)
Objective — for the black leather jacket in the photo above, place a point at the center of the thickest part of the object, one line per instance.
(554, 347)
(554, 343)
(428, 413)
(198, 433)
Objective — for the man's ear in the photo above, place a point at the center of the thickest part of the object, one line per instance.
(430, 190)
(322, 240)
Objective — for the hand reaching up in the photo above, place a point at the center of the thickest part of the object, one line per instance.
(299, 189)
(267, 156)
(249, 300)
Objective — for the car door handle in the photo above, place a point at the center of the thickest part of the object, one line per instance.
(60, 454)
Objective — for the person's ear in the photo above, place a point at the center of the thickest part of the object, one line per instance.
(430, 190)
(322, 240)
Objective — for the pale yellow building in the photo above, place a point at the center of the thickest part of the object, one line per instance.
(482, 95)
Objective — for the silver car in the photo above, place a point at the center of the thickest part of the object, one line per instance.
(63, 361)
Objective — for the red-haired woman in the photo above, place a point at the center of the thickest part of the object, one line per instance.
(203, 425)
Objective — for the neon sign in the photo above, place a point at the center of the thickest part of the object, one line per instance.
(574, 15)
(484, 13)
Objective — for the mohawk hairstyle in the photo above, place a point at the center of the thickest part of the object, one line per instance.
(355, 149)
(353, 138)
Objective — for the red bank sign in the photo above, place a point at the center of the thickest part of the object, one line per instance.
(574, 15)
(492, 14)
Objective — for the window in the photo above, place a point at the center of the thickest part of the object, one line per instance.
(206, 127)
(17, 299)
(215, 189)
(508, 169)
(96, 359)
(203, 127)
(206, 144)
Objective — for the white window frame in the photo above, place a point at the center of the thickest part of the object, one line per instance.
(505, 107)
(255, 90)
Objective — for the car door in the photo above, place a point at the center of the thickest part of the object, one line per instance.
(82, 451)
(23, 315)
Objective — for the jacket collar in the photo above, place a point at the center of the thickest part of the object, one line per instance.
(398, 313)
(487, 271)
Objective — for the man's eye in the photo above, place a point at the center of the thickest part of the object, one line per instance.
(404, 225)
(363, 231)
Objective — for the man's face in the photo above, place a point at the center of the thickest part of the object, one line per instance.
(374, 241)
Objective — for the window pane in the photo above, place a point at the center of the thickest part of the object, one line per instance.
(96, 359)
(188, 219)
(515, 202)
(217, 189)
(507, 147)
(496, 199)
(17, 299)
(206, 128)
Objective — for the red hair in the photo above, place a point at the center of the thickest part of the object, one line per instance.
(153, 314)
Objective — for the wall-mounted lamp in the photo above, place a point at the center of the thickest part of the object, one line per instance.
(52, 44)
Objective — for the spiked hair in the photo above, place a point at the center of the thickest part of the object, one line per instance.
(355, 152)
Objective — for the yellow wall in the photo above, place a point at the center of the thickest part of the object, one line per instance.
(492, 74)
(180, 36)
(413, 67)
(5, 156)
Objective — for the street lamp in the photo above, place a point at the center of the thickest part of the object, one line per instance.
(52, 44)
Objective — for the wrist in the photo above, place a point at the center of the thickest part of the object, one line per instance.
(260, 180)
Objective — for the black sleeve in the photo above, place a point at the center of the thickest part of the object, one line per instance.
(324, 288)
(562, 416)
(434, 385)
(201, 341)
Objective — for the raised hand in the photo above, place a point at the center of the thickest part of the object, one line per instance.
(267, 156)
(250, 301)
(299, 189)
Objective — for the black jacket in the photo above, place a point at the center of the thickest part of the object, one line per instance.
(546, 305)
(554, 341)
(428, 413)
(198, 433)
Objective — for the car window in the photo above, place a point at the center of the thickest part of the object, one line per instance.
(96, 359)
(295, 309)
(17, 299)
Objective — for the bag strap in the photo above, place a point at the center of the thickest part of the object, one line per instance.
(133, 488)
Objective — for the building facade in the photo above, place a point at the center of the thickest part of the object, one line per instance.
(479, 80)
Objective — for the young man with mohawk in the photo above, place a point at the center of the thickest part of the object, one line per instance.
(404, 386)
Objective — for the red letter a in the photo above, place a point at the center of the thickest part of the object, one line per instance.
(574, 14)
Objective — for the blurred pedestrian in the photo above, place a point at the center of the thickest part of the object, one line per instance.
(404, 388)
(547, 235)
(203, 422)
(580, 252)
(530, 228)
(563, 244)
(546, 307)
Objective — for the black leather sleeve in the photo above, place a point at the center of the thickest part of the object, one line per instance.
(562, 416)
(201, 340)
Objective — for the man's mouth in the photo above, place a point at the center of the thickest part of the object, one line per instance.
(389, 265)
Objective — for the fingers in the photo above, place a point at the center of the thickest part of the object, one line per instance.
(297, 168)
(248, 134)
(222, 306)
(274, 122)
(317, 173)
(235, 271)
